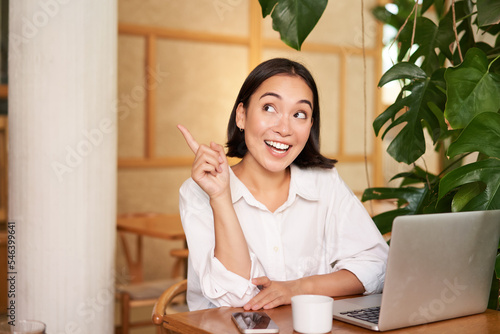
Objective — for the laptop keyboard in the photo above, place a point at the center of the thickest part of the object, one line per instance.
(367, 314)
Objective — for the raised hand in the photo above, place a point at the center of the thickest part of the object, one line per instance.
(210, 167)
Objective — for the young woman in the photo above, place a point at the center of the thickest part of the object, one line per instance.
(281, 222)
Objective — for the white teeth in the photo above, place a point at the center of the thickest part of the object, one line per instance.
(279, 146)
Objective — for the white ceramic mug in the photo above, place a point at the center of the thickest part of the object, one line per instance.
(312, 314)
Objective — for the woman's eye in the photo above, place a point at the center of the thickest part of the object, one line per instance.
(300, 114)
(269, 108)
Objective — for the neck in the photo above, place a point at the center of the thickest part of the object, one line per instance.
(254, 176)
(269, 188)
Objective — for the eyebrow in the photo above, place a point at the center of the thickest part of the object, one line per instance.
(279, 97)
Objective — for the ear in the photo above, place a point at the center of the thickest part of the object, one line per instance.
(240, 116)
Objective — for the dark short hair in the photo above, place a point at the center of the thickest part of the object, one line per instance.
(310, 155)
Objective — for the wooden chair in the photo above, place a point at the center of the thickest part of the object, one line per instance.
(139, 295)
(180, 265)
(166, 298)
(137, 292)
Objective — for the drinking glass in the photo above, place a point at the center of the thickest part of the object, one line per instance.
(23, 327)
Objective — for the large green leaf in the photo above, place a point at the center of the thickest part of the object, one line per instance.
(488, 12)
(427, 38)
(485, 171)
(293, 19)
(471, 89)
(402, 71)
(482, 135)
(415, 101)
(465, 194)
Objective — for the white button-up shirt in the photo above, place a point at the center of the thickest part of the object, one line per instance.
(320, 229)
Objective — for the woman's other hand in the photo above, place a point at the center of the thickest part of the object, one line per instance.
(210, 168)
(273, 293)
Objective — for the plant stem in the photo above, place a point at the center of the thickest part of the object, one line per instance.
(426, 173)
(415, 8)
(455, 31)
(491, 63)
(365, 129)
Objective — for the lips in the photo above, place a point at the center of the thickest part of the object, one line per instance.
(276, 146)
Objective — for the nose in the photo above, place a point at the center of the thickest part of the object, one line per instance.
(283, 126)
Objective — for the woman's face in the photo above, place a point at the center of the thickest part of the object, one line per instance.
(277, 121)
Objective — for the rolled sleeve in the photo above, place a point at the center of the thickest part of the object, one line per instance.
(369, 270)
(365, 255)
(358, 245)
(225, 288)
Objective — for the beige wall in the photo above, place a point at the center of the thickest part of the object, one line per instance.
(195, 55)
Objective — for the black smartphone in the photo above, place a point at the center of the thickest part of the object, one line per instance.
(254, 322)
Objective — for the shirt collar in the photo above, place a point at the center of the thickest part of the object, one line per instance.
(302, 184)
(237, 187)
(239, 190)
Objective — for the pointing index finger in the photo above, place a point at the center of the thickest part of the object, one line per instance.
(192, 143)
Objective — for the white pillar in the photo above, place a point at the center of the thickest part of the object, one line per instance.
(62, 162)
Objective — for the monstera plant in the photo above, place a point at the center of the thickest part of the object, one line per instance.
(449, 69)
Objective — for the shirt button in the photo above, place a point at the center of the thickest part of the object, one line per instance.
(276, 248)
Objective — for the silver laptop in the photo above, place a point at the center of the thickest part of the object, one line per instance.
(440, 266)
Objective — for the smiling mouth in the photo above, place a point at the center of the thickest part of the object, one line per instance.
(278, 147)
